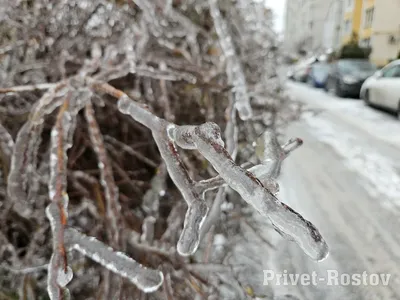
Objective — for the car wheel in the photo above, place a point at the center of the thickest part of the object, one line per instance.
(339, 92)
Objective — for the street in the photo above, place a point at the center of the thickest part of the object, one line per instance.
(346, 180)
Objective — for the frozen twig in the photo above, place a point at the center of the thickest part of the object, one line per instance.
(197, 208)
(207, 140)
(130, 151)
(107, 178)
(234, 69)
(151, 199)
(25, 270)
(145, 279)
(6, 149)
(59, 274)
(25, 88)
(23, 161)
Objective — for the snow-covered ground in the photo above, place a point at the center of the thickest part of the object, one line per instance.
(346, 180)
(353, 111)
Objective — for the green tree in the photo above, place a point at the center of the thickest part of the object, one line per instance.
(353, 50)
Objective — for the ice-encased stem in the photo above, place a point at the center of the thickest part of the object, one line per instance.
(197, 207)
(147, 280)
(234, 69)
(6, 145)
(111, 191)
(207, 140)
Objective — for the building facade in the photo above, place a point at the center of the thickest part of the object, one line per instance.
(319, 25)
(352, 10)
(312, 25)
(380, 29)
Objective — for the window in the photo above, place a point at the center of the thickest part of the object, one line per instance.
(349, 3)
(347, 27)
(366, 43)
(369, 17)
(392, 72)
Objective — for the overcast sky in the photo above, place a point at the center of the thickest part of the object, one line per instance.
(278, 6)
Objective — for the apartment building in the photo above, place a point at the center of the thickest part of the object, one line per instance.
(352, 10)
(312, 25)
(380, 29)
(376, 24)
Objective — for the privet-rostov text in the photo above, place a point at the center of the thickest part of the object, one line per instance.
(332, 277)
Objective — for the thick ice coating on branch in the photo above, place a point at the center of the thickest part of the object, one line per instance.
(145, 279)
(271, 154)
(111, 191)
(284, 218)
(206, 138)
(6, 144)
(23, 161)
(234, 69)
(197, 207)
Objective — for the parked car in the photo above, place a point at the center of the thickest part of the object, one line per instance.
(301, 71)
(383, 88)
(346, 76)
(318, 74)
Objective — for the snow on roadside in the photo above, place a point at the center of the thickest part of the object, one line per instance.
(377, 123)
(379, 174)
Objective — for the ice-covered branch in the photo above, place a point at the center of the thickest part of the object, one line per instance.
(197, 208)
(59, 274)
(22, 182)
(24, 88)
(206, 139)
(145, 279)
(271, 154)
(6, 148)
(234, 69)
(107, 178)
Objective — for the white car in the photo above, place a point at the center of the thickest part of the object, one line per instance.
(383, 88)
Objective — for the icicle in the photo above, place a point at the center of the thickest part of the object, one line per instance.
(64, 278)
(190, 236)
(151, 199)
(197, 208)
(270, 153)
(145, 279)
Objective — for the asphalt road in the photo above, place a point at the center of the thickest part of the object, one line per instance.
(346, 180)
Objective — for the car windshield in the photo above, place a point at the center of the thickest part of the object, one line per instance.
(356, 66)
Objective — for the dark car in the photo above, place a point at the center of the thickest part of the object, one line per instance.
(318, 74)
(346, 76)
